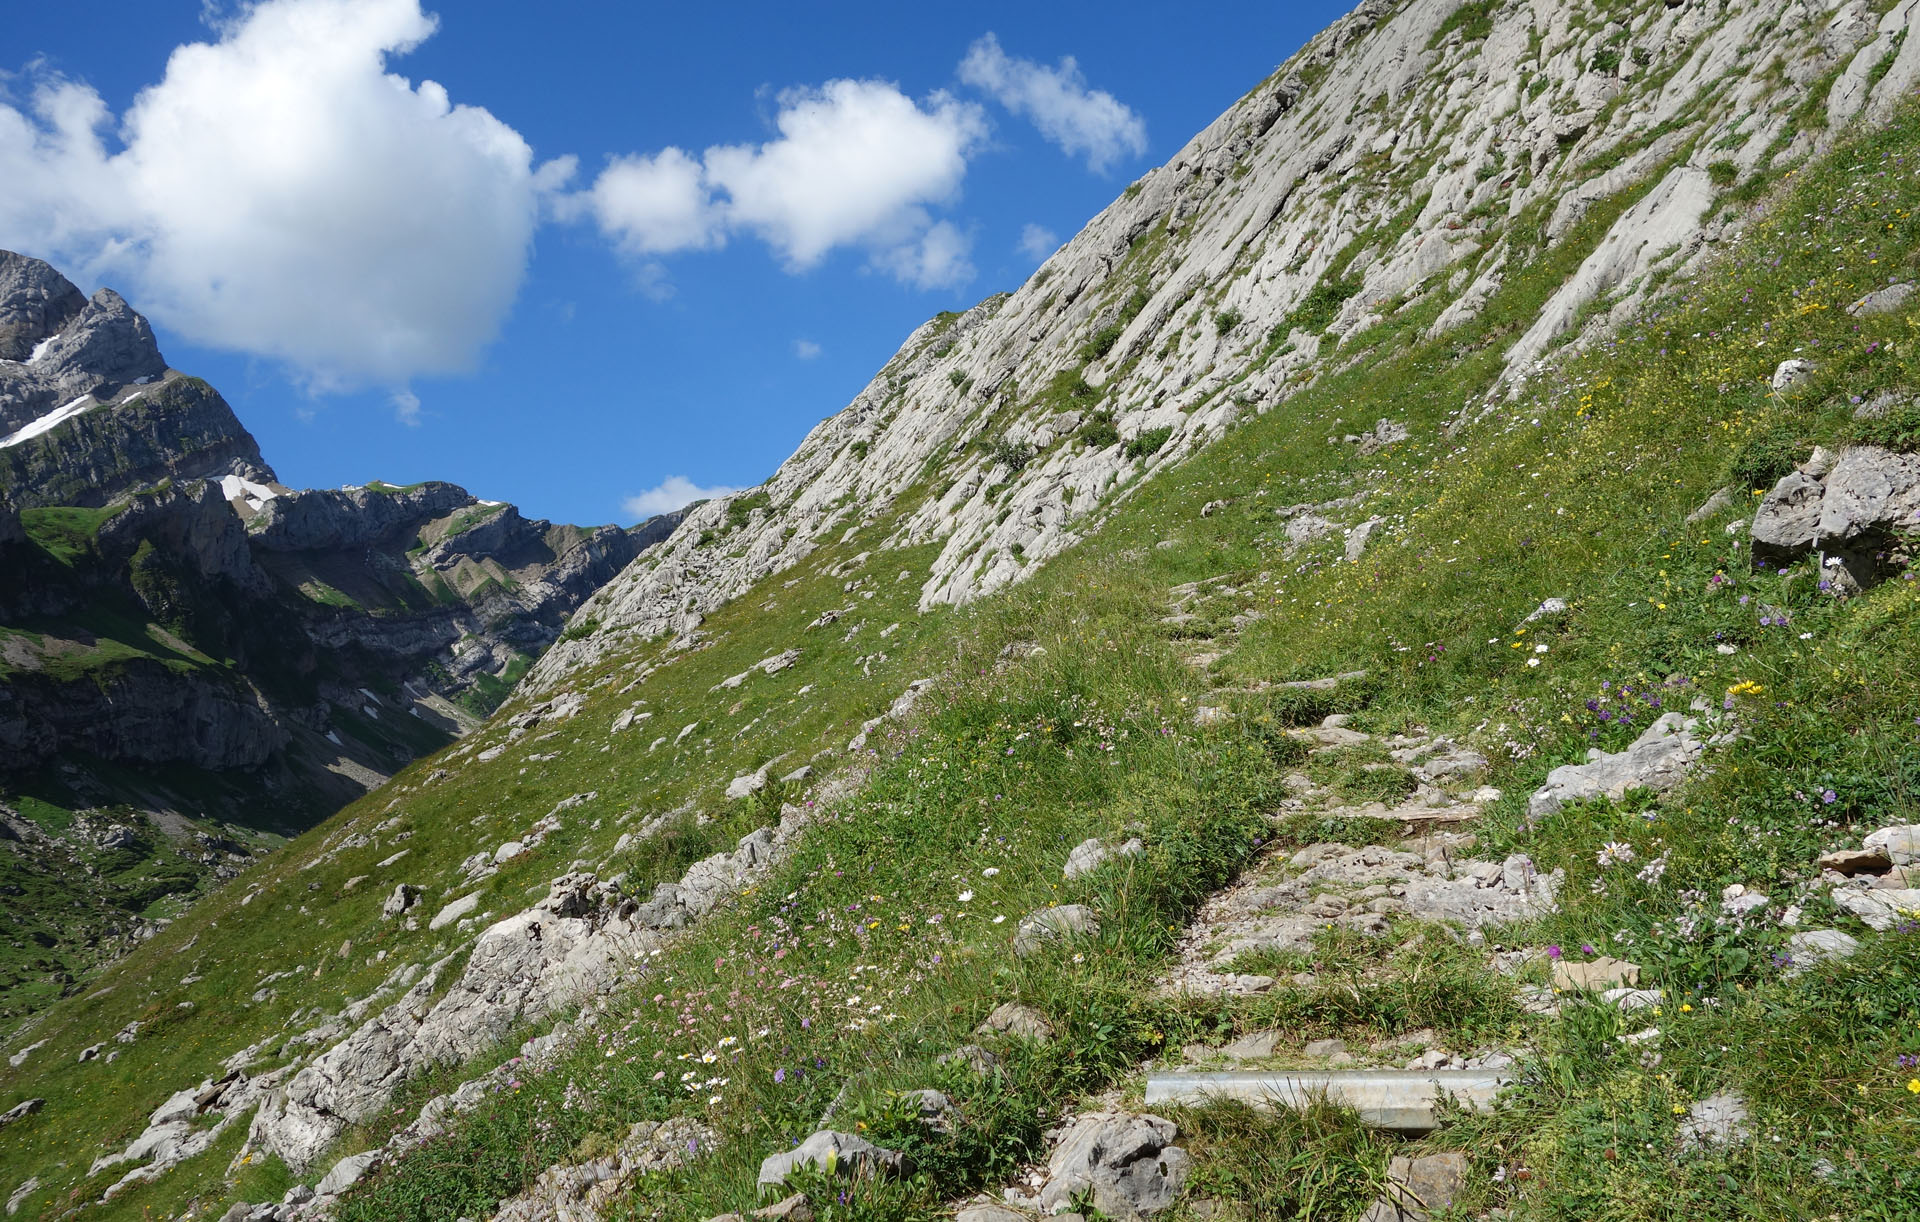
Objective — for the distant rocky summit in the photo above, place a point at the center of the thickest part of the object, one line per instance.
(184, 638)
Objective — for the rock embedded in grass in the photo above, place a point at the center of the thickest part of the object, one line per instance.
(1418, 1188)
(973, 1056)
(21, 1111)
(1601, 973)
(454, 910)
(1717, 1120)
(1125, 1164)
(1089, 855)
(795, 1208)
(837, 1153)
(1791, 373)
(1889, 300)
(1813, 946)
(404, 896)
(1012, 1018)
(1658, 760)
(1256, 1046)
(1048, 925)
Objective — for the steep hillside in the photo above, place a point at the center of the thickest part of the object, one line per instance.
(1381, 187)
(1533, 711)
(197, 662)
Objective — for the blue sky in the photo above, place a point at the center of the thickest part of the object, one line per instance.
(392, 280)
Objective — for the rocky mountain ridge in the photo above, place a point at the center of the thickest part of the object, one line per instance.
(188, 645)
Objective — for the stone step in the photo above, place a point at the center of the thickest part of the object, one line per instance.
(1399, 1100)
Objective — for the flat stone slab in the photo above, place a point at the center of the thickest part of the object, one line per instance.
(1399, 1100)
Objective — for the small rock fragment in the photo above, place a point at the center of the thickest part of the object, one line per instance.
(1253, 1047)
(1601, 973)
(1012, 1018)
(1418, 1188)
(1049, 925)
(1718, 1120)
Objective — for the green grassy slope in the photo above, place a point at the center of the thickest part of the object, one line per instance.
(884, 940)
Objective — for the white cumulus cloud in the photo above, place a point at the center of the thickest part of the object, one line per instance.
(1038, 241)
(279, 192)
(674, 492)
(855, 163)
(1058, 102)
(806, 349)
(651, 205)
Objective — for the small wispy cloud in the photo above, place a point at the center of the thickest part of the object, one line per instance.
(937, 261)
(1037, 241)
(1058, 102)
(806, 349)
(671, 493)
(406, 408)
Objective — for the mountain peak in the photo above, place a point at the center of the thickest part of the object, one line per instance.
(36, 301)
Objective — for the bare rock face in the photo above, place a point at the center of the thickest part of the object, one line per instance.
(35, 302)
(1050, 925)
(96, 350)
(520, 970)
(89, 409)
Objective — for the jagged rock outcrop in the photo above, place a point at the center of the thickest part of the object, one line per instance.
(1406, 158)
(89, 409)
(1124, 1163)
(94, 351)
(35, 302)
(1854, 510)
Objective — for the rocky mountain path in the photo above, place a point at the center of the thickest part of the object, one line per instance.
(1409, 795)
(1405, 798)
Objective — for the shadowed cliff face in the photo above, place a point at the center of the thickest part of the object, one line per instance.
(188, 643)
